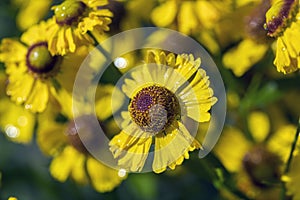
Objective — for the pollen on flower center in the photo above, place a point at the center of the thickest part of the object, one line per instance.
(68, 12)
(39, 59)
(154, 108)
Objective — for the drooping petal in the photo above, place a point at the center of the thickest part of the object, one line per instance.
(50, 136)
(172, 148)
(38, 98)
(131, 147)
(198, 97)
(63, 165)
(70, 40)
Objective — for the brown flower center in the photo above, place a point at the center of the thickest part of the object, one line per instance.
(154, 108)
(39, 59)
(262, 166)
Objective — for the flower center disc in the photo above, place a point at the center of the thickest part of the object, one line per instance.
(39, 59)
(154, 108)
(68, 12)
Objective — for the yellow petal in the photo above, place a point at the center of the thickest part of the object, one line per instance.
(241, 58)
(52, 36)
(20, 88)
(104, 102)
(164, 14)
(281, 141)
(172, 148)
(141, 78)
(70, 40)
(103, 178)
(50, 135)
(61, 45)
(12, 51)
(65, 100)
(187, 18)
(131, 147)
(259, 133)
(36, 33)
(38, 98)
(63, 165)
(198, 97)
(186, 65)
(231, 148)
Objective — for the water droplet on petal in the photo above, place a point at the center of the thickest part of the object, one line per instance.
(12, 131)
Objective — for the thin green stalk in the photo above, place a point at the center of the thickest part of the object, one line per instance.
(288, 164)
(290, 159)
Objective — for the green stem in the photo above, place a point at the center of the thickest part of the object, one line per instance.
(289, 161)
(288, 164)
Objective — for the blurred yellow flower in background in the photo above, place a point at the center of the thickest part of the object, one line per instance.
(59, 138)
(152, 91)
(259, 163)
(72, 20)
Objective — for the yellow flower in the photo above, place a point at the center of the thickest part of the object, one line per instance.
(160, 101)
(257, 164)
(32, 72)
(282, 23)
(72, 20)
(57, 136)
(16, 122)
(31, 12)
